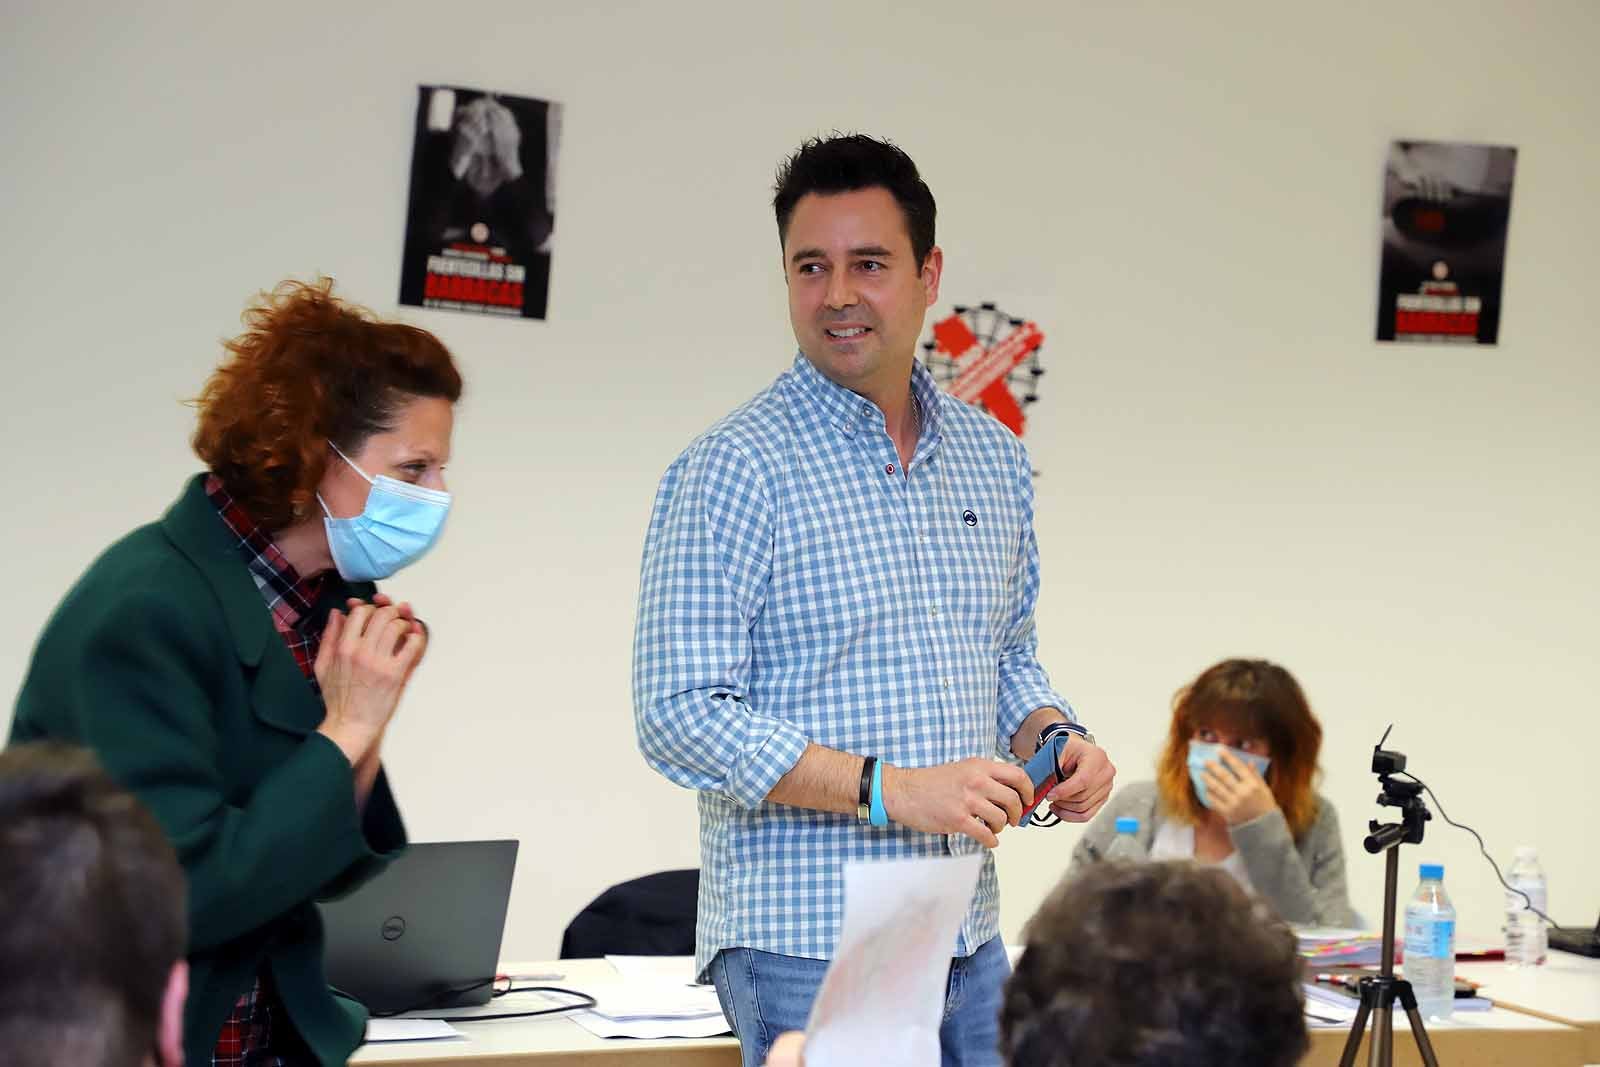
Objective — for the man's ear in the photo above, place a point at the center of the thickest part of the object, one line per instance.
(932, 270)
(169, 1027)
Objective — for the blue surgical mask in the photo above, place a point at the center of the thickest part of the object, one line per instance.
(1204, 752)
(399, 524)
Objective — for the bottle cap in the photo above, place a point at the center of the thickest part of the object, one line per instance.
(1127, 824)
(1435, 871)
(1527, 852)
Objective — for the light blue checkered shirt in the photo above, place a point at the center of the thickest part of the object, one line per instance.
(799, 586)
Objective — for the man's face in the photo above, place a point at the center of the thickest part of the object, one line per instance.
(857, 295)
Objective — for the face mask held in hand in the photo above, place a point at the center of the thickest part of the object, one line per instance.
(1204, 752)
(399, 524)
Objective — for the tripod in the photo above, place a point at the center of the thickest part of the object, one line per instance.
(1378, 995)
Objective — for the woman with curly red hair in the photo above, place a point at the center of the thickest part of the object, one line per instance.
(1235, 787)
(234, 665)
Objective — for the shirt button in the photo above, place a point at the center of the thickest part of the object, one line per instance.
(935, 611)
(888, 468)
(947, 685)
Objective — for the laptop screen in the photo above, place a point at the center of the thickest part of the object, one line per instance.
(426, 932)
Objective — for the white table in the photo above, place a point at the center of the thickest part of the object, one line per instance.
(1566, 989)
(542, 1041)
(1499, 1037)
(1495, 1038)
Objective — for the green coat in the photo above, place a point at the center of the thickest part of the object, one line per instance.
(164, 660)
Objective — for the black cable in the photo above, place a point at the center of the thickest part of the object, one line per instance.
(437, 1001)
(584, 1001)
(1481, 846)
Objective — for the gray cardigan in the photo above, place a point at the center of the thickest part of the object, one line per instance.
(1303, 880)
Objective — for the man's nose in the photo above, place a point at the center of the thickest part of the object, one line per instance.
(840, 294)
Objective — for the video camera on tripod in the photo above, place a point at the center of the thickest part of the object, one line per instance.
(1407, 796)
(1379, 994)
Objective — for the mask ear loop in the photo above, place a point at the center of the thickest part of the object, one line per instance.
(348, 460)
(352, 466)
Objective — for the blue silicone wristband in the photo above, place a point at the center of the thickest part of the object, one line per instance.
(880, 817)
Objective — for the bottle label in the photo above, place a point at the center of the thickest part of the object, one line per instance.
(1433, 939)
(1536, 892)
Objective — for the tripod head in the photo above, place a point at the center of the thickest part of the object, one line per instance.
(1405, 795)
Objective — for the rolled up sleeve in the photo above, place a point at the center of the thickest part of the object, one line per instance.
(707, 559)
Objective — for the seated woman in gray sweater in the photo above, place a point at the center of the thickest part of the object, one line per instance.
(1234, 788)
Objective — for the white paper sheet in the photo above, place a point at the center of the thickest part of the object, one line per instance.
(409, 1030)
(652, 1029)
(652, 1000)
(651, 997)
(883, 997)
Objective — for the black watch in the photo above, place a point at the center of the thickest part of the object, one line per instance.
(1054, 728)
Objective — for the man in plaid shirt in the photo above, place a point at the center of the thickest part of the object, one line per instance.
(835, 634)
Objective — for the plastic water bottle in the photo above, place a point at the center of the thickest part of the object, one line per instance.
(1526, 939)
(1430, 963)
(1125, 846)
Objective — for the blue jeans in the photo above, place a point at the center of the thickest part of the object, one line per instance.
(764, 995)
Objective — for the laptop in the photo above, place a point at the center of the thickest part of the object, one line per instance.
(426, 932)
(1579, 939)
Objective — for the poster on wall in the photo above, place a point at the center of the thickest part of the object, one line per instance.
(1446, 207)
(988, 358)
(481, 214)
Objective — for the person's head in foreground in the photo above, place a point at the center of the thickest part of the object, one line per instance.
(1154, 965)
(92, 919)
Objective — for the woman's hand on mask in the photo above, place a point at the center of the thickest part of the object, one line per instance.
(364, 662)
(1236, 791)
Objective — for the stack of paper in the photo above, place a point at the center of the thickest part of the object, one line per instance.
(652, 997)
(1341, 948)
(1329, 1006)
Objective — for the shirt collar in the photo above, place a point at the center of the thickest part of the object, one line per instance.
(852, 412)
(275, 575)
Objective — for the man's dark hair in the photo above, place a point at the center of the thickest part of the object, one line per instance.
(845, 163)
(1154, 965)
(92, 912)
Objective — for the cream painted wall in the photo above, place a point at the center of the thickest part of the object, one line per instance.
(1186, 199)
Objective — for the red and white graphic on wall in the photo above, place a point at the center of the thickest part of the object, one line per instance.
(986, 357)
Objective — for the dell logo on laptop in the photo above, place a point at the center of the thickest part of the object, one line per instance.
(394, 928)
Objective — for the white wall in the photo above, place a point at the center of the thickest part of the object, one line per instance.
(1185, 198)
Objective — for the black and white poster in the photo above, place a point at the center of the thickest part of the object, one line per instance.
(481, 214)
(1446, 208)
